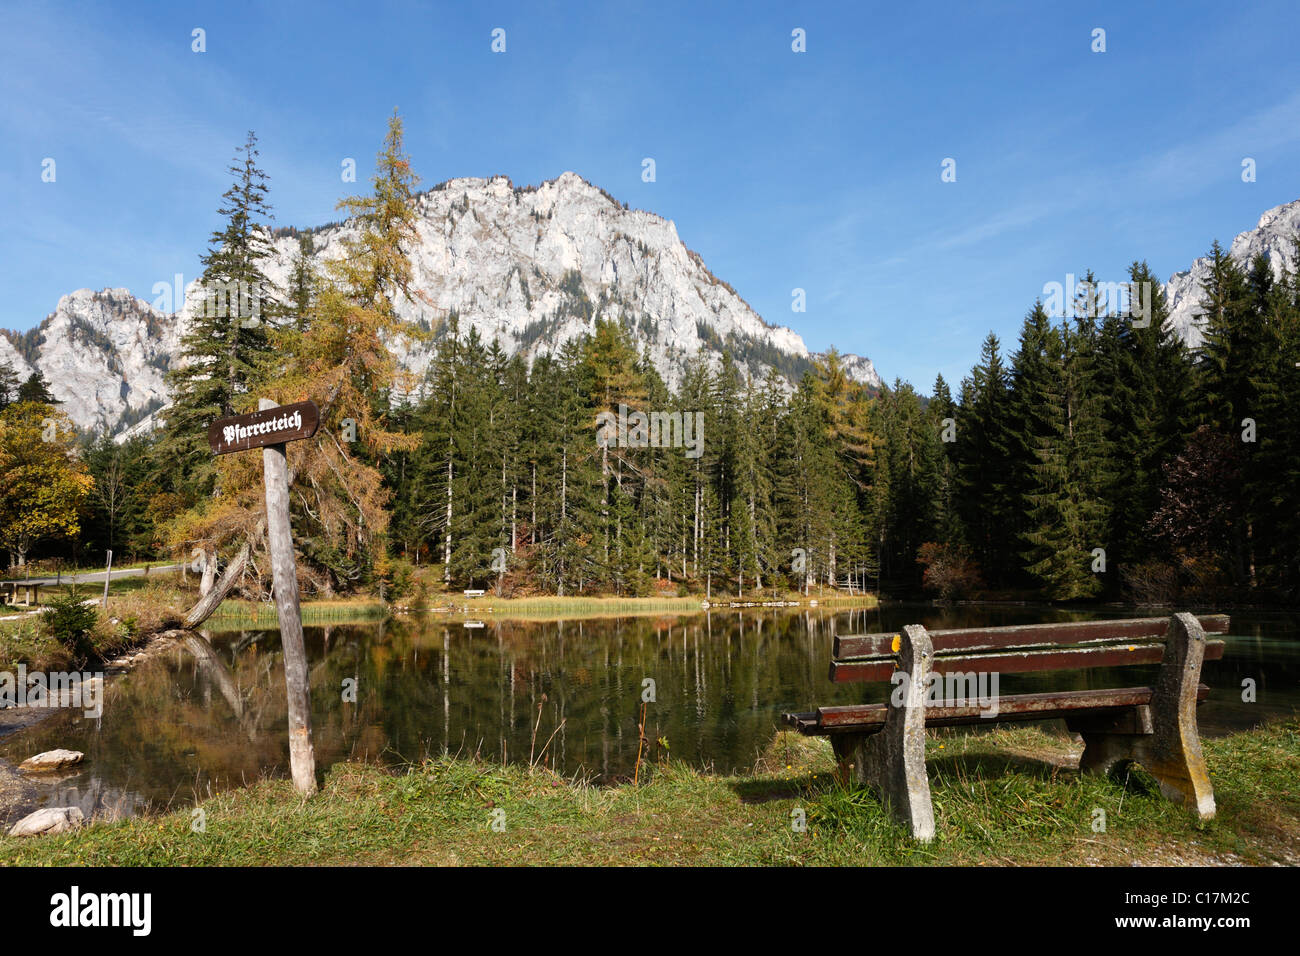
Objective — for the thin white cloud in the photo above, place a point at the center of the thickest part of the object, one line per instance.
(1200, 161)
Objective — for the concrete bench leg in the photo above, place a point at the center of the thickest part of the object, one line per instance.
(1164, 738)
(892, 761)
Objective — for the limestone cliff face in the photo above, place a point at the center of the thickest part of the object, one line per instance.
(531, 266)
(104, 354)
(535, 266)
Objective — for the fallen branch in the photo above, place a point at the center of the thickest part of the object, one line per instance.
(210, 601)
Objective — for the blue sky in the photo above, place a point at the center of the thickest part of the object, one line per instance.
(818, 170)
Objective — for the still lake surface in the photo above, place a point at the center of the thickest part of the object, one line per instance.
(196, 720)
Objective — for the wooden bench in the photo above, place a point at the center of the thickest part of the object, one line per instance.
(474, 592)
(883, 745)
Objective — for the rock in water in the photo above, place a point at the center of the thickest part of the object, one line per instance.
(47, 821)
(51, 760)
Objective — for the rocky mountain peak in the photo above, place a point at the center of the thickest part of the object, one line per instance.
(1273, 237)
(535, 266)
(105, 355)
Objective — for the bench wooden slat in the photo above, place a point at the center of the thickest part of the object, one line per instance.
(1020, 662)
(857, 718)
(805, 723)
(972, 639)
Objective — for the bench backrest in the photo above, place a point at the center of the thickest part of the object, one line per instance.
(1022, 648)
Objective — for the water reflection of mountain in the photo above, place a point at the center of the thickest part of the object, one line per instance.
(211, 714)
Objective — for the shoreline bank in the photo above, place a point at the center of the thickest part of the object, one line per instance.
(1009, 797)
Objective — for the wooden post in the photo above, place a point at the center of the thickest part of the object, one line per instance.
(892, 760)
(1162, 737)
(271, 432)
(284, 573)
(108, 573)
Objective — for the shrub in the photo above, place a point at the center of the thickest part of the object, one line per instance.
(949, 570)
(1151, 582)
(72, 624)
(401, 579)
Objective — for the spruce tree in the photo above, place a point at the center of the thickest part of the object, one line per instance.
(1280, 451)
(1061, 485)
(1229, 367)
(1145, 374)
(613, 370)
(303, 284)
(575, 522)
(9, 385)
(941, 413)
(343, 362)
(476, 451)
(36, 389)
(984, 455)
(226, 340)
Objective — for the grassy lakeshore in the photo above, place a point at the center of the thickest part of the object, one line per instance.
(234, 613)
(138, 607)
(551, 607)
(1008, 797)
(455, 604)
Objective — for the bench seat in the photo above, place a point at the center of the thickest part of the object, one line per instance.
(882, 745)
(860, 718)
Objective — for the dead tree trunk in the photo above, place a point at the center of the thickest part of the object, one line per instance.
(209, 569)
(210, 601)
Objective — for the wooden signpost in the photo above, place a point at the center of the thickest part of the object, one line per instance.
(272, 424)
(269, 428)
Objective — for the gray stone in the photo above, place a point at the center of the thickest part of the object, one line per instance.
(51, 760)
(47, 821)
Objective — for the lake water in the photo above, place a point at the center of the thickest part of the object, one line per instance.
(564, 693)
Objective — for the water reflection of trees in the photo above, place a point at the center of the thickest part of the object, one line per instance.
(212, 714)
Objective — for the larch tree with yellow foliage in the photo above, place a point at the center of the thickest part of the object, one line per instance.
(339, 358)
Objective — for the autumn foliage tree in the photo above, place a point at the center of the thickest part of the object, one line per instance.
(1200, 503)
(949, 570)
(340, 358)
(43, 484)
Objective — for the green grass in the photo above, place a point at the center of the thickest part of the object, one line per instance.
(95, 589)
(28, 642)
(250, 614)
(1000, 798)
(22, 642)
(162, 595)
(135, 611)
(148, 604)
